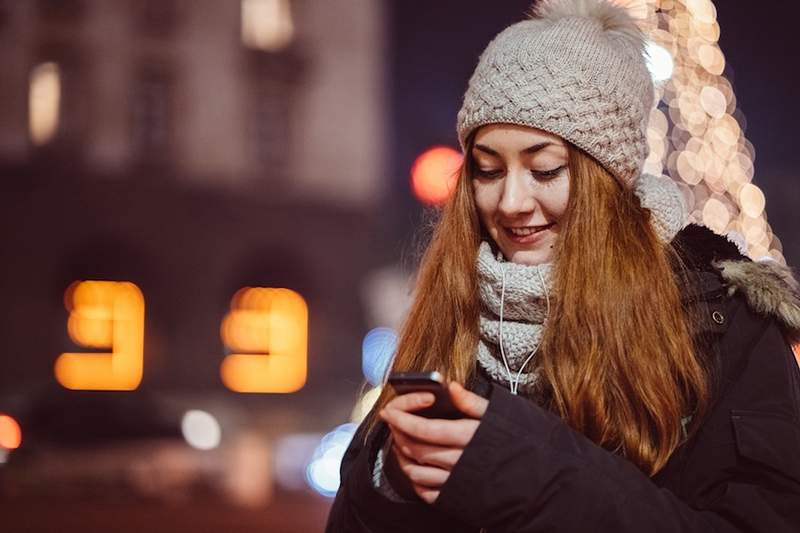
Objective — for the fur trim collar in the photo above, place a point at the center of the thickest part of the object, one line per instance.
(768, 287)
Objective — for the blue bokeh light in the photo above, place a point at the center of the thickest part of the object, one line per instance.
(377, 351)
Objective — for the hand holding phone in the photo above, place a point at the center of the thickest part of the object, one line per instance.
(442, 407)
(415, 444)
(433, 382)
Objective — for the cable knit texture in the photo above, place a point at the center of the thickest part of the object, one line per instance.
(661, 195)
(577, 70)
(524, 313)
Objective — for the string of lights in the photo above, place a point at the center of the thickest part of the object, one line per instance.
(696, 131)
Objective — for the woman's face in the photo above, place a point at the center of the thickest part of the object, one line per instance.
(521, 187)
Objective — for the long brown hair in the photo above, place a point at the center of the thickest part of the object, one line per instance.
(618, 357)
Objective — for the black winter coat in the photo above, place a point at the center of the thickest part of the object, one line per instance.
(526, 470)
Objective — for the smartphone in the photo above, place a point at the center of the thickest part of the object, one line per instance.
(433, 382)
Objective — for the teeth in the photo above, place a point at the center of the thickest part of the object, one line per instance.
(521, 232)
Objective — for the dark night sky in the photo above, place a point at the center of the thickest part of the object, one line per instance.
(435, 46)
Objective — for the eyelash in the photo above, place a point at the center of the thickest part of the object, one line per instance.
(539, 174)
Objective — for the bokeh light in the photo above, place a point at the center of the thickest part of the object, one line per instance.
(267, 24)
(752, 200)
(435, 173)
(659, 62)
(716, 215)
(44, 102)
(713, 101)
(322, 472)
(377, 351)
(106, 315)
(201, 430)
(696, 134)
(267, 329)
(10, 433)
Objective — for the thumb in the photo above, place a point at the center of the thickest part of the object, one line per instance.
(467, 402)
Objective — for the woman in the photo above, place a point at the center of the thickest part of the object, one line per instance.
(622, 372)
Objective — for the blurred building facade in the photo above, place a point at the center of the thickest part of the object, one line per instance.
(192, 148)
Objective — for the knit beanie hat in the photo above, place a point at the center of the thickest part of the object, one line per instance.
(576, 69)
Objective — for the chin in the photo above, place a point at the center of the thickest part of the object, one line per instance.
(531, 257)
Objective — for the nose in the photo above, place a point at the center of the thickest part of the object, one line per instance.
(518, 196)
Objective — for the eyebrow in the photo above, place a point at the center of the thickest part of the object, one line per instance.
(529, 150)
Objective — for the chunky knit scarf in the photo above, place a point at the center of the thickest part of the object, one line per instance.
(524, 313)
(525, 300)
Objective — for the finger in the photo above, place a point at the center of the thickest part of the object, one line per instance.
(427, 495)
(426, 476)
(466, 401)
(412, 401)
(426, 454)
(432, 431)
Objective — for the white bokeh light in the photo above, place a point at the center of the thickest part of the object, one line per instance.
(659, 62)
(201, 430)
(322, 473)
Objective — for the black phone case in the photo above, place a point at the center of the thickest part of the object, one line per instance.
(442, 406)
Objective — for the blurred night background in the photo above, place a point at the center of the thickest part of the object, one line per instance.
(209, 227)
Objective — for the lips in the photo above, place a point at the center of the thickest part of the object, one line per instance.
(529, 230)
(526, 234)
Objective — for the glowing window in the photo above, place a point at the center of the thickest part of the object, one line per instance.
(267, 329)
(104, 315)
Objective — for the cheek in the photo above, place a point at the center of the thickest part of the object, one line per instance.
(559, 200)
(485, 201)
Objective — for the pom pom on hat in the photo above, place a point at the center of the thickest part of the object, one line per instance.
(615, 19)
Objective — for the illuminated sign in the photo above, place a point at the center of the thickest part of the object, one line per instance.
(267, 329)
(104, 315)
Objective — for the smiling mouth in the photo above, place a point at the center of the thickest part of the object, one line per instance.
(524, 231)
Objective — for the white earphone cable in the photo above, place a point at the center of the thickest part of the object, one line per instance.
(513, 383)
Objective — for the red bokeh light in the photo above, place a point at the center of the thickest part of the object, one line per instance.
(435, 174)
(10, 433)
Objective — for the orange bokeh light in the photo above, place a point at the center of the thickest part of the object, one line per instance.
(268, 328)
(103, 315)
(10, 433)
(435, 173)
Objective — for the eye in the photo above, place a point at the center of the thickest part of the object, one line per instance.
(488, 174)
(547, 174)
